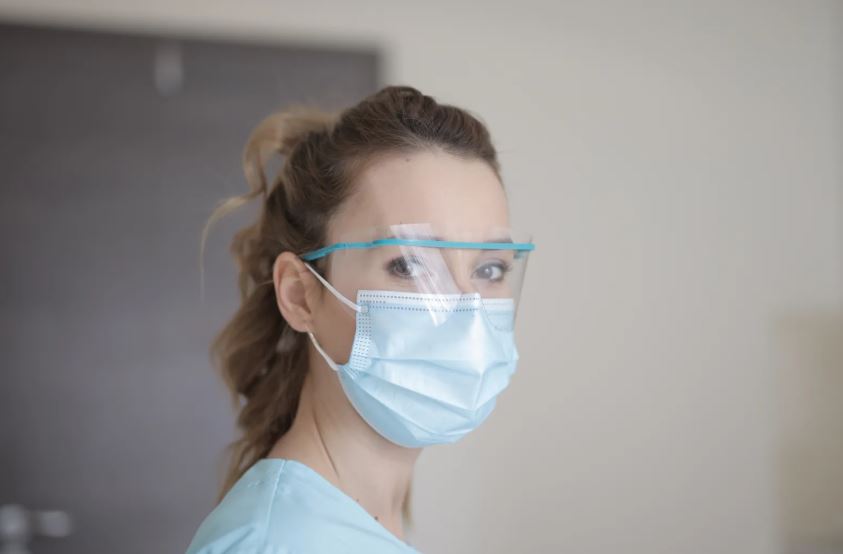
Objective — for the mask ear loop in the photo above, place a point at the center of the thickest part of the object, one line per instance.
(331, 363)
(335, 292)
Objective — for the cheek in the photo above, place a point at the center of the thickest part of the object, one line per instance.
(335, 327)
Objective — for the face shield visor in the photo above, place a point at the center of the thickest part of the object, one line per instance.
(440, 271)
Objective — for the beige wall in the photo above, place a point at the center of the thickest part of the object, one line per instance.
(681, 167)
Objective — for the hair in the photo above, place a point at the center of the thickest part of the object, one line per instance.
(263, 361)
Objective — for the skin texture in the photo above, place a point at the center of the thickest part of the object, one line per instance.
(328, 435)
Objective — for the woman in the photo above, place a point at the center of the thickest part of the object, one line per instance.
(379, 289)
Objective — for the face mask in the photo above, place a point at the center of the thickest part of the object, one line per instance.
(418, 381)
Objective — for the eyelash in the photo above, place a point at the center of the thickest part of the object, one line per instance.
(392, 264)
(504, 266)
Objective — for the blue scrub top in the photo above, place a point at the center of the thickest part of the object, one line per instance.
(282, 506)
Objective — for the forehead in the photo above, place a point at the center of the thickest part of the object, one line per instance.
(428, 186)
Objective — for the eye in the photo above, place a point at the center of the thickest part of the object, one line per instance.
(493, 271)
(406, 267)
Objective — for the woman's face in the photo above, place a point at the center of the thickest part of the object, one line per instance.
(458, 199)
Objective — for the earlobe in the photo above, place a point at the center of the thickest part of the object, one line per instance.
(294, 288)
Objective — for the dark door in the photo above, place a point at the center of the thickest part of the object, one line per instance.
(113, 151)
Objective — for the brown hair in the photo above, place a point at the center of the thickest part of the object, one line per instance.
(263, 360)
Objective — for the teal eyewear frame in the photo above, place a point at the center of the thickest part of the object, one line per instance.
(519, 247)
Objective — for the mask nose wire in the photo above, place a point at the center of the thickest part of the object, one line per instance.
(335, 292)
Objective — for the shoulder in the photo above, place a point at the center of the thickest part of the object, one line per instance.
(240, 523)
(283, 507)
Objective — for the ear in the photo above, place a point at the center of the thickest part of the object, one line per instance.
(296, 291)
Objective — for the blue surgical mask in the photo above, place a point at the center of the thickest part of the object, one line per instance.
(420, 380)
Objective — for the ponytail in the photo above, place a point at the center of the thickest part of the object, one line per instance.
(262, 360)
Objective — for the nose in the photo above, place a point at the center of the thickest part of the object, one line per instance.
(464, 284)
(459, 265)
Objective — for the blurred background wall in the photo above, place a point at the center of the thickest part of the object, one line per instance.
(680, 165)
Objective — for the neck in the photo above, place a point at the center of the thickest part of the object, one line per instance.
(332, 439)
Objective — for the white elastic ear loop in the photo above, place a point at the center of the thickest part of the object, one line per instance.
(324, 354)
(331, 363)
(335, 292)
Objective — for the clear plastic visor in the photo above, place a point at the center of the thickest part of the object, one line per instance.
(418, 266)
